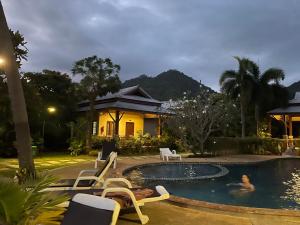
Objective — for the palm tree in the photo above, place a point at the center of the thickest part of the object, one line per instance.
(268, 92)
(17, 100)
(240, 84)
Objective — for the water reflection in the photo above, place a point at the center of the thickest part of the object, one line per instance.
(293, 187)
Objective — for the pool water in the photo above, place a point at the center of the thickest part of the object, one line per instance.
(277, 184)
(180, 171)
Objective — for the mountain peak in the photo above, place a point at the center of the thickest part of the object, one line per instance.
(170, 84)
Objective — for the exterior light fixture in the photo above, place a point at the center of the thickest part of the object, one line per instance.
(51, 109)
(2, 61)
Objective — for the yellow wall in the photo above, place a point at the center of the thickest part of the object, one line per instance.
(296, 118)
(136, 118)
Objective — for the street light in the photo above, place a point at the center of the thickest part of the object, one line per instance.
(50, 110)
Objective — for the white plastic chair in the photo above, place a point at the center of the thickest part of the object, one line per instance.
(101, 160)
(166, 153)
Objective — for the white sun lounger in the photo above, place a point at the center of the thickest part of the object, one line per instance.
(159, 194)
(166, 153)
(85, 181)
(91, 210)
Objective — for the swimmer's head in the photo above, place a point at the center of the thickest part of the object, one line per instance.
(245, 179)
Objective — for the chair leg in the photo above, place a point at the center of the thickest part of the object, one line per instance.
(115, 164)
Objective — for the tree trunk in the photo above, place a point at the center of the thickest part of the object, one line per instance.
(17, 100)
(243, 117)
(201, 147)
(90, 118)
(257, 119)
(117, 124)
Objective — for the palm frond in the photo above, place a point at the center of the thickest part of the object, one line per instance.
(272, 74)
(27, 204)
(228, 74)
(231, 88)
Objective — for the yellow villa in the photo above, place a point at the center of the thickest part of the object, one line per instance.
(127, 113)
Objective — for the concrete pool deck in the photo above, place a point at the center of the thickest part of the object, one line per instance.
(168, 213)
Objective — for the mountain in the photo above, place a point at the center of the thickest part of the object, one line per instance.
(293, 88)
(167, 85)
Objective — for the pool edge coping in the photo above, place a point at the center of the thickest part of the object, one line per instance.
(198, 204)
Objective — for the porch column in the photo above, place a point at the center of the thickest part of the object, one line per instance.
(117, 122)
(290, 126)
(285, 126)
(159, 125)
(270, 125)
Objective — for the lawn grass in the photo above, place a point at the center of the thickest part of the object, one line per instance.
(43, 162)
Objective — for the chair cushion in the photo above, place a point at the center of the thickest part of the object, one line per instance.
(107, 148)
(79, 214)
(122, 198)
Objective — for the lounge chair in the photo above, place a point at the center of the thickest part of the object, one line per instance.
(91, 210)
(129, 197)
(107, 148)
(166, 153)
(85, 181)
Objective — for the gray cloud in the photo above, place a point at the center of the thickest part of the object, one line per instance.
(196, 37)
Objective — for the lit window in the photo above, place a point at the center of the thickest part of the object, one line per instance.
(94, 128)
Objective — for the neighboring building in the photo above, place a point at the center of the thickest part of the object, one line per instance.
(289, 116)
(127, 113)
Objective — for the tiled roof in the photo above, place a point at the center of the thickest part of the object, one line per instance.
(131, 98)
(128, 93)
(127, 106)
(292, 108)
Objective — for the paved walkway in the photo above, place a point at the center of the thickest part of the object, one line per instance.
(50, 162)
(164, 213)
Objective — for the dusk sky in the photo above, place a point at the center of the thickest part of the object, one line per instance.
(197, 37)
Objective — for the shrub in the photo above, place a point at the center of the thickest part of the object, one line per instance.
(93, 153)
(249, 145)
(145, 144)
(97, 142)
(76, 147)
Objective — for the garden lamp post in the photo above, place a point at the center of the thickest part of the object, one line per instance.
(50, 110)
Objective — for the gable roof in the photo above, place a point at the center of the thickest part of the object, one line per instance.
(132, 98)
(131, 93)
(292, 108)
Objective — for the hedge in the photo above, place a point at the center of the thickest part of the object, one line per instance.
(248, 145)
(141, 145)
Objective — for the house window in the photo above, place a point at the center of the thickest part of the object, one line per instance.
(110, 127)
(95, 128)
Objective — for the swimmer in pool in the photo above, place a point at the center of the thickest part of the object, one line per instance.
(245, 185)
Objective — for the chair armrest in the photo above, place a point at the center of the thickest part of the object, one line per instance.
(84, 178)
(174, 152)
(86, 171)
(162, 191)
(120, 179)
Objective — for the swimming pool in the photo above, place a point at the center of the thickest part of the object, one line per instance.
(277, 184)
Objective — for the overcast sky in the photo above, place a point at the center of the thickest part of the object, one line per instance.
(197, 37)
